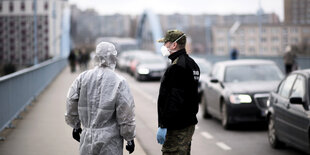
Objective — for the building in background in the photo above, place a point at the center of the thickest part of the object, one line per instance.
(17, 30)
(116, 25)
(258, 34)
(272, 42)
(269, 37)
(199, 27)
(85, 27)
(88, 25)
(297, 11)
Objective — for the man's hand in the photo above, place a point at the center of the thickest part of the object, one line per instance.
(161, 135)
(130, 147)
(76, 134)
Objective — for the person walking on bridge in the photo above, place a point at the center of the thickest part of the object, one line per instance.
(100, 101)
(178, 97)
(289, 59)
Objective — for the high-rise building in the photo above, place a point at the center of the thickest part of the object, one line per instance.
(17, 29)
(297, 11)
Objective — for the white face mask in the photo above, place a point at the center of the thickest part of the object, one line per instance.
(164, 51)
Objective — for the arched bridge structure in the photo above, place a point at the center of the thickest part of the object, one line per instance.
(149, 30)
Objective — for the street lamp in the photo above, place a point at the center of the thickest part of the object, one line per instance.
(208, 23)
(54, 29)
(35, 33)
(260, 12)
(232, 31)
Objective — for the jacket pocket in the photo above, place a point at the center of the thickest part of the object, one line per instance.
(176, 101)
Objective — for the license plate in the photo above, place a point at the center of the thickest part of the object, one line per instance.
(155, 74)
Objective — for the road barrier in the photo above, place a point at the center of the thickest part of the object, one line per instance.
(19, 89)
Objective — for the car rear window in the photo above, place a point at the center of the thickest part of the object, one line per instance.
(244, 73)
(151, 60)
(204, 67)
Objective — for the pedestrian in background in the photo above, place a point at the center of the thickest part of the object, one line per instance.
(289, 60)
(100, 101)
(84, 59)
(234, 53)
(80, 59)
(178, 96)
(72, 60)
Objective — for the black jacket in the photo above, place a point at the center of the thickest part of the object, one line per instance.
(178, 94)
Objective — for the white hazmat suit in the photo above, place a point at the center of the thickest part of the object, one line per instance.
(100, 100)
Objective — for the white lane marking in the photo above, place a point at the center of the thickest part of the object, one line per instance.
(223, 146)
(149, 97)
(206, 135)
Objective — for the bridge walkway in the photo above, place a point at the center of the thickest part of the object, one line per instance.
(42, 128)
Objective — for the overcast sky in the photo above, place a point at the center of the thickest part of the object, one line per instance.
(135, 7)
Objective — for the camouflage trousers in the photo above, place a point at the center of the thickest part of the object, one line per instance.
(178, 142)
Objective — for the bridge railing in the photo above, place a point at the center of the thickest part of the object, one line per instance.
(19, 89)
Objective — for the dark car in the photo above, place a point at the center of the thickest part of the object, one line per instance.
(126, 57)
(238, 90)
(289, 115)
(123, 61)
(148, 66)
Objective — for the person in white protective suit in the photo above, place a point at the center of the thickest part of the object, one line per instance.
(100, 107)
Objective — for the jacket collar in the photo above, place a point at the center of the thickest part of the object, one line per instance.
(176, 54)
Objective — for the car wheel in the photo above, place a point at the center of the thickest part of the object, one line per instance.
(272, 135)
(225, 116)
(204, 105)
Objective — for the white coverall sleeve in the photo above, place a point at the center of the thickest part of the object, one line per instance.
(72, 115)
(125, 112)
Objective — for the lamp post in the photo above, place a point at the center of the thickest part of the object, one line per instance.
(35, 62)
(208, 23)
(260, 12)
(232, 31)
(54, 29)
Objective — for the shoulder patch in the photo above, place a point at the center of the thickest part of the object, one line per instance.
(175, 61)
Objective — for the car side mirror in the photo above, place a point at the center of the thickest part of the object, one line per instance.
(214, 80)
(296, 100)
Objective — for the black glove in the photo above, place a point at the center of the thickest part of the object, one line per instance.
(130, 147)
(76, 134)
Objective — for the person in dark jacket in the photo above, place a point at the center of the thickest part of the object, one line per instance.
(178, 96)
(289, 60)
(72, 60)
(234, 54)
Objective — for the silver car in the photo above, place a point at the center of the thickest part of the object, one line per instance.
(125, 59)
(205, 69)
(147, 67)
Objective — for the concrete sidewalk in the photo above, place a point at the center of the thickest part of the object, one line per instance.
(43, 129)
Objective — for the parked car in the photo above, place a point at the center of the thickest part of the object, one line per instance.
(289, 115)
(146, 67)
(238, 90)
(125, 59)
(205, 69)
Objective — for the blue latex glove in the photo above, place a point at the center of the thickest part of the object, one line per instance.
(161, 135)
